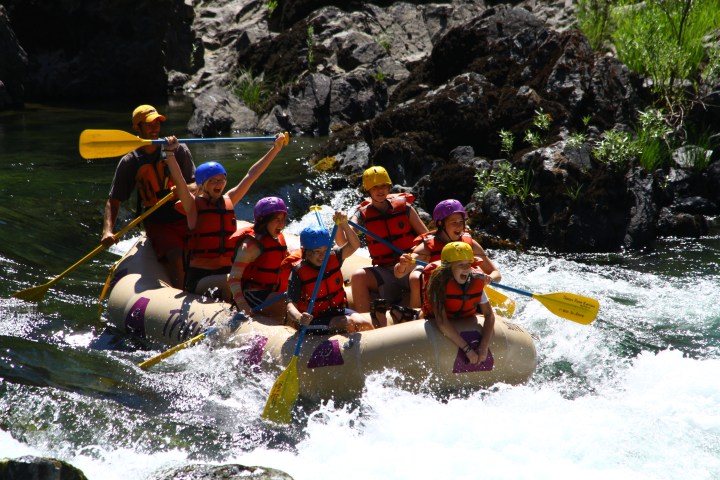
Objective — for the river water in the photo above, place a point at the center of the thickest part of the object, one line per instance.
(634, 395)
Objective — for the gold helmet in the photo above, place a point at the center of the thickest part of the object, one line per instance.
(457, 252)
(375, 176)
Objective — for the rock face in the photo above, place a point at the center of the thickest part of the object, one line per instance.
(421, 88)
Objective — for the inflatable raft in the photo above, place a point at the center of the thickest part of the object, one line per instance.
(143, 304)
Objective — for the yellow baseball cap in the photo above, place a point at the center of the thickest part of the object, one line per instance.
(147, 114)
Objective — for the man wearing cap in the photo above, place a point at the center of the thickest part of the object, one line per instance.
(145, 170)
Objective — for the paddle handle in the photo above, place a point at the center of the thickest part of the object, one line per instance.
(383, 241)
(513, 289)
(269, 138)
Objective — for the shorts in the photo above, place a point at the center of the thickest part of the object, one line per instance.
(194, 275)
(256, 297)
(389, 287)
(166, 237)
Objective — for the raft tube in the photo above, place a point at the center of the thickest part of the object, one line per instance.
(143, 303)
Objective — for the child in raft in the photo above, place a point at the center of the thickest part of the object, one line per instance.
(453, 291)
(330, 312)
(449, 217)
(392, 218)
(211, 218)
(257, 275)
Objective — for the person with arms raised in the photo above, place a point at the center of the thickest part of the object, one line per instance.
(210, 215)
(145, 170)
(330, 312)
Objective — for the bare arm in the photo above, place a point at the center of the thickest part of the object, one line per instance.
(238, 191)
(112, 207)
(417, 225)
(247, 252)
(488, 331)
(350, 240)
(182, 191)
(487, 265)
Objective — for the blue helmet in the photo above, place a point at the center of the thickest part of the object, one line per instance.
(314, 237)
(207, 170)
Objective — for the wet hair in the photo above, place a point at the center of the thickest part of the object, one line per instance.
(436, 287)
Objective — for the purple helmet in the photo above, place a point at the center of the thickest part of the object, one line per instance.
(446, 208)
(267, 205)
(207, 170)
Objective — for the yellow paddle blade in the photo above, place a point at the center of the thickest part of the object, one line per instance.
(502, 304)
(34, 294)
(283, 395)
(108, 143)
(573, 307)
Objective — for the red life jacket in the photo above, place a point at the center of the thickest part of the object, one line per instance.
(331, 294)
(393, 226)
(152, 178)
(461, 301)
(435, 245)
(265, 272)
(214, 233)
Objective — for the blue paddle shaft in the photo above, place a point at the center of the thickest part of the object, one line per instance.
(383, 241)
(161, 141)
(513, 289)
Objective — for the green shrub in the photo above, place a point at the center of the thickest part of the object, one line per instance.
(507, 140)
(251, 90)
(615, 148)
(593, 17)
(653, 140)
(508, 180)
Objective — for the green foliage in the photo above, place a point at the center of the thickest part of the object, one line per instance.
(384, 42)
(251, 90)
(379, 76)
(508, 180)
(653, 140)
(541, 123)
(271, 5)
(593, 18)
(615, 148)
(507, 140)
(573, 193)
(310, 40)
(576, 140)
(700, 149)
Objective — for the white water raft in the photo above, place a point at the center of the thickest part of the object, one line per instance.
(142, 303)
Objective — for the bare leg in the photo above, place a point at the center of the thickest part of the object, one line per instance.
(362, 282)
(175, 268)
(415, 289)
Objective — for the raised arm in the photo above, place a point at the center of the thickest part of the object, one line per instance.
(181, 188)
(486, 265)
(350, 240)
(238, 191)
(417, 225)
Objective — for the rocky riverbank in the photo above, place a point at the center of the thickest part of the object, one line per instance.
(421, 88)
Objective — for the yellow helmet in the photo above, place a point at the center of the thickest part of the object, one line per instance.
(375, 176)
(457, 252)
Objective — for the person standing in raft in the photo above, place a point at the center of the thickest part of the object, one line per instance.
(392, 218)
(257, 275)
(330, 308)
(211, 223)
(449, 217)
(453, 291)
(146, 168)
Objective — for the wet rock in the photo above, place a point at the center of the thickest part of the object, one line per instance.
(220, 472)
(38, 468)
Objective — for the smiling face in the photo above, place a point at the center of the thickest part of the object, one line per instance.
(315, 256)
(148, 130)
(454, 226)
(214, 186)
(461, 271)
(379, 193)
(276, 224)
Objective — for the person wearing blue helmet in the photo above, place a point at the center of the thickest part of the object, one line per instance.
(449, 217)
(145, 170)
(210, 215)
(330, 312)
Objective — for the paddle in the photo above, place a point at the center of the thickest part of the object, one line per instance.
(232, 324)
(573, 307)
(503, 304)
(285, 390)
(115, 143)
(34, 294)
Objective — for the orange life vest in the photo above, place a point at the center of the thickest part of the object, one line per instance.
(331, 294)
(152, 178)
(460, 300)
(393, 225)
(435, 245)
(264, 272)
(214, 233)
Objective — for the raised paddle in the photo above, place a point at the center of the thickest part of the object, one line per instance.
(115, 143)
(34, 294)
(573, 307)
(503, 304)
(285, 390)
(210, 331)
